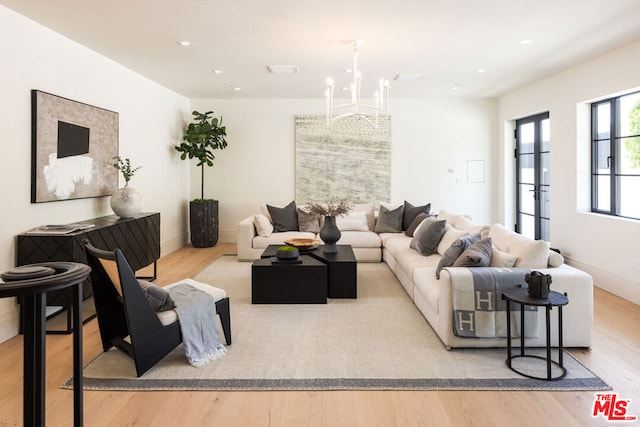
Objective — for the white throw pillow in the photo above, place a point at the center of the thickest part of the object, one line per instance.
(501, 237)
(368, 209)
(531, 254)
(450, 235)
(355, 221)
(263, 226)
(555, 259)
(453, 219)
(502, 259)
(265, 211)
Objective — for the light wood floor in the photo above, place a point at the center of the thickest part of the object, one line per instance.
(614, 357)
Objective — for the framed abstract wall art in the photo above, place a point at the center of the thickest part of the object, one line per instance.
(73, 145)
(349, 159)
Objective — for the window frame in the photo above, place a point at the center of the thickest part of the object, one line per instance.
(614, 174)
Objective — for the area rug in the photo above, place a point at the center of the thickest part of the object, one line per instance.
(379, 341)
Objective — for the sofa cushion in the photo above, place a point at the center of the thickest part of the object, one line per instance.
(360, 239)
(308, 222)
(424, 285)
(385, 237)
(476, 255)
(455, 250)
(389, 221)
(284, 219)
(530, 253)
(501, 237)
(263, 225)
(502, 259)
(427, 236)
(354, 221)
(410, 231)
(410, 212)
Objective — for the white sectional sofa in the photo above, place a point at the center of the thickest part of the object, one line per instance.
(366, 243)
(433, 297)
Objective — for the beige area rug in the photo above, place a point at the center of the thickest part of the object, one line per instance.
(379, 341)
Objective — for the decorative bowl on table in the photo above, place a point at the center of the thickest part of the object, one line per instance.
(287, 253)
(303, 244)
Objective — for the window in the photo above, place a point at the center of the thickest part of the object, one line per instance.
(615, 156)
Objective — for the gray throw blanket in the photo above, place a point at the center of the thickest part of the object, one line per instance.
(478, 307)
(197, 314)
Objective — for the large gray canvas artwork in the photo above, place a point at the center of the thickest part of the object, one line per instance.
(73, 148)
(348, 159)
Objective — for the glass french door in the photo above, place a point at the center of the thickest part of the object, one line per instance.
(533, 185)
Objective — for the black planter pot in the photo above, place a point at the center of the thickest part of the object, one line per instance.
(203, 219)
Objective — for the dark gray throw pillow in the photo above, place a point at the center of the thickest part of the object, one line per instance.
(284, 219)
(158, 298)
(427, 237)
(415, 223)
(389, 221)
(476, 255)
(410, 212)
(455, 250)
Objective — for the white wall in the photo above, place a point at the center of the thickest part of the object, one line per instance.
(429, 136)
(151, 121)
(604, 246)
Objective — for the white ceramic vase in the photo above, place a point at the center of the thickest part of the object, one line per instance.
(126, 202)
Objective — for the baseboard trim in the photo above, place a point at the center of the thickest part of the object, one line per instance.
(9, 323)
(171, 245)
(609, 281)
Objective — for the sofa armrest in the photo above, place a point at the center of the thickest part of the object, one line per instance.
(246, 233)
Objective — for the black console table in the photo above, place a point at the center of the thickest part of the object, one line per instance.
(137, 237)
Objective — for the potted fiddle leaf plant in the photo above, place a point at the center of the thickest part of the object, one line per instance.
(201, 138)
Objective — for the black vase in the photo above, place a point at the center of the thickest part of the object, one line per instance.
(203, 219)
(330, 234)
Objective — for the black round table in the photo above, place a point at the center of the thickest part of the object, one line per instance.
(32, 282)
(521, 296)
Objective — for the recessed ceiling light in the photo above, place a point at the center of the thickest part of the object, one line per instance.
(236, 88)
(481, 70)
(185, 43)
(525, 41)
(217, 71)
(404, 77)
(283, 69)
(455, 86)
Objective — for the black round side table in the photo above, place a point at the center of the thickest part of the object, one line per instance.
(32, 282)
(521, 296)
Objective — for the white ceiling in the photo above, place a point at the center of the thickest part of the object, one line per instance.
(447, 41)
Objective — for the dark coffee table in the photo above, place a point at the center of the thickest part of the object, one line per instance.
(342, 279)
(281, 283)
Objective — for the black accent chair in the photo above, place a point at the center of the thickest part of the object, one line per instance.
(124, 311)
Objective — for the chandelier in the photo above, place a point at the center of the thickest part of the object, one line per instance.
(356, 108)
